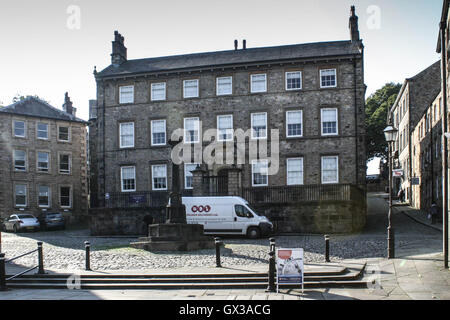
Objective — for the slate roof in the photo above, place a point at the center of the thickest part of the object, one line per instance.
(233, 57)
(34, 107)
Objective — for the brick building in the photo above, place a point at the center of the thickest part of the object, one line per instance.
(43, 159)
(313, 93)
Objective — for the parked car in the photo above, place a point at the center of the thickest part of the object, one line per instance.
(52, 220)
(21, 221)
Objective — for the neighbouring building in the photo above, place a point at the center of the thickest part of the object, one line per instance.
(43, 160)
(415, 96)
(426, 159)
(313, 93)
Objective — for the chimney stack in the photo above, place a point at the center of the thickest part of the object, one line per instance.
(235, 44)
(244, 44)
(68, 105)
(119, 51)
(353, 25)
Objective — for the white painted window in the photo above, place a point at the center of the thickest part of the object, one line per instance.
(224, 86)
(293, 80)
(330, 169)
(225, 127)
(43, 161)
(20, 129)
(328, 78)
(159, 177)
(329, 121)
(20, 160)
(260, 172)
(158, 91)
(65, 197)
(258, 83)
(20, 195)
(259, 125)
(42, 131)
(294, 120)
(188, 176)
(128, 178)
(158, 132)
(64, 163)
(294, 171)
(126, 131)
(126, 94)
(191, 130)
(190, 88)
(44, 196)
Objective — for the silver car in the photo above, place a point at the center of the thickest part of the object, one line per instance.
(21, 221)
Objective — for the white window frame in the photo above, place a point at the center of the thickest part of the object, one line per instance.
(121, 178)
(286, 80)
(70, 197)
(38, 168)
(120, 135)
(322, 169)
(218, 88)
(185, 130)
(123, 99)
(337, 121)
(153, 98)
(254, 163)
(153, 176)
(252, 89)
(287, 171)
(24, 129)
(46, 131)
(190, 174)
(228, 130)
(68, 133)
(165, 133)
(48, 205)
(69, 163)
(15, 196)
(287, 123)
(25, 160)
(335, 78)
(251, 125)
(184, 88)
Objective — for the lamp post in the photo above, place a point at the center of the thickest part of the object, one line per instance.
(390, 134)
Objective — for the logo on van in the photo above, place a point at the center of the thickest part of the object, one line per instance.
(206, 208)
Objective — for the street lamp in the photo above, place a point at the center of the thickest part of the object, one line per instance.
(390, 133)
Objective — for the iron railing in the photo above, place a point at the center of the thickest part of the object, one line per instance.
(141, 199)
(215, 186)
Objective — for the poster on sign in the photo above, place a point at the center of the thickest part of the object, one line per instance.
(290, 268)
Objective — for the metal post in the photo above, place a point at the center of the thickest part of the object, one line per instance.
(390, 230)
(271, 285)
(218, 243)
(40, 258)
(2, 272)
(87, 246)
(327, 248)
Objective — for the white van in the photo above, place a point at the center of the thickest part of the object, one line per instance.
(226, 215)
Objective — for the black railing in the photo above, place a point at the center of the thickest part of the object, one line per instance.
(304, 193)
(141, 199)
(215, 186)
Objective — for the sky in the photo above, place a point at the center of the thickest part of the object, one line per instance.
(49, 47)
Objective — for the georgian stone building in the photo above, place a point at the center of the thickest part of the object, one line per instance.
(43, 160)
(313, 93)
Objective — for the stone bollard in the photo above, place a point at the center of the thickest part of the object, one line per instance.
(2, 272)
(40, 258)
(87, 247)
(271, 285)
(327, 248)
(218, 244)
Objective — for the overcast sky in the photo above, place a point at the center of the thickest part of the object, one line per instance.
(49, 47)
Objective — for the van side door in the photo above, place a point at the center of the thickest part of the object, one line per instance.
(242, 218)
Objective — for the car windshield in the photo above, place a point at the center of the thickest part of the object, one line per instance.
(26, 216)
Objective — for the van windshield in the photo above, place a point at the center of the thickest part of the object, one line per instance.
(251, 208)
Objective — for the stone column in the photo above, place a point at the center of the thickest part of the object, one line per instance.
(197, 181)
(234, 181)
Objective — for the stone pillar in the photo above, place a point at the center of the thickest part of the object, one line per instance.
(197, 181)
(234, 181)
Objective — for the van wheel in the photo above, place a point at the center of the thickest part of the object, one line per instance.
(253, 233)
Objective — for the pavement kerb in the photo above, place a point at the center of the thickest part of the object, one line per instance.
(399, 210)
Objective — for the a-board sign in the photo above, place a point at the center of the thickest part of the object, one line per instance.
(290, 267)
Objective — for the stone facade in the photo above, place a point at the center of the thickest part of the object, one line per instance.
(63, 187)
(346, 99)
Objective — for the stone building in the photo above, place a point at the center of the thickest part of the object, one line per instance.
(313, 94)
(43, 159)
(426, 159)
(415, 96)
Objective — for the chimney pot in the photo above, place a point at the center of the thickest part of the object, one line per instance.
(235, 44)
(244, 44)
